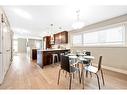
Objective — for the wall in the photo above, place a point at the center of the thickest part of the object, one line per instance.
(21, 45)
(114, 58)
(32, 45)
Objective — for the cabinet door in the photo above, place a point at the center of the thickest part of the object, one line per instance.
(58, 38)
(64, 37)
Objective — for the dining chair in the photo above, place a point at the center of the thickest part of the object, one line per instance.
(88, 61)
(95, 70)
(88, 53)
(66, 66)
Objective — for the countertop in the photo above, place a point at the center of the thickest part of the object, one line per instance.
(52, 49)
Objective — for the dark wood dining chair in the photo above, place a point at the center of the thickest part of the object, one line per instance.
(66, 66)
(95, 70)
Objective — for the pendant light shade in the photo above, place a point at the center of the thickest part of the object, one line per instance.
(78, 24)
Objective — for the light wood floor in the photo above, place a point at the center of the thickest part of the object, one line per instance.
(25, 74)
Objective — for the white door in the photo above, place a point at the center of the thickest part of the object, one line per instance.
(1, 61)
(6, 47)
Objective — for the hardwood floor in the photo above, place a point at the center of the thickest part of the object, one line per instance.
(25, 74)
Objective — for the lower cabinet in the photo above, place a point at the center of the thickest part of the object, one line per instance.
(34, 54)
(44, 57)
(39, 58)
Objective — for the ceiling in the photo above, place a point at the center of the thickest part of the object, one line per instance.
(35, 21)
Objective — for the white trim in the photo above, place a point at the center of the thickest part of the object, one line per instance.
(115, 69)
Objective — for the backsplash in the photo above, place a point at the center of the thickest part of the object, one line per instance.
(61, 46)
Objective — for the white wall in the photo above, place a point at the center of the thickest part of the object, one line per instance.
(114, 58)
(21, 45)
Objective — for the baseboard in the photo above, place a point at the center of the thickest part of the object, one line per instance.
(115, 69)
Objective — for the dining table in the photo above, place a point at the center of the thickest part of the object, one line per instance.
(76, 59)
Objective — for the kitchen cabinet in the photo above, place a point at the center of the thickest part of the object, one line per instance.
(34, 54)
(61, 38)
(46, 42)
(44, 57)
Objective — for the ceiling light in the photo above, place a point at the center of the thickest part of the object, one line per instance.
(78, 24)
(22, 13)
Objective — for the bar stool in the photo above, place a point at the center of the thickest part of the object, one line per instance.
(53, 58)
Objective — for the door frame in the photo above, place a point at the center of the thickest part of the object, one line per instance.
(1, 50)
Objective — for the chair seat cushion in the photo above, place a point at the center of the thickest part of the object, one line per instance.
(91, 69)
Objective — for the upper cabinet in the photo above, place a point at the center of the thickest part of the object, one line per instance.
(61, 38)
(46, 42)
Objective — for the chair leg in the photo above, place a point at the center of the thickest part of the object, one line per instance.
(53, 60)
(98, 81)
(59, 76)
(86, 73)
(90, 74)
(79, 76)
(82, 79)
(102, 77)
(70, 81)
(73, 75)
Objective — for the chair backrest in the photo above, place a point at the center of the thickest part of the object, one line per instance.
(100, 62)
(65, 65)
(88, 53)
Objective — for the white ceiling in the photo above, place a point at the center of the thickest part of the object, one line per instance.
(37, 23)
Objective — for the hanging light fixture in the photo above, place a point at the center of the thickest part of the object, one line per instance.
(78, 24)
(51, 34)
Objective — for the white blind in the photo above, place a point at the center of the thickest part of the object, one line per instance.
(90, 38)
(77, 39)
(109, 36)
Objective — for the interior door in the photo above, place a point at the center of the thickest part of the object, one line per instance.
(6, 47)
(1, 60)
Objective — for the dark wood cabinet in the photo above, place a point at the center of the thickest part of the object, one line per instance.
(44, 57)
(61, 38)
(34, 54)
(46, 42)
(57, 38)
(64, 37)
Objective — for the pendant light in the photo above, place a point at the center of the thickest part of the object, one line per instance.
(51, 34)
(78, 24)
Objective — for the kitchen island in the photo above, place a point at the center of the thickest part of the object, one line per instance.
(44, 57)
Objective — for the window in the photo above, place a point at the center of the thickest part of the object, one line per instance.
(90, 38)
(77, 40)
(113, 36)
